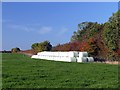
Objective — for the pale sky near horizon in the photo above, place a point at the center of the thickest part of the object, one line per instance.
(25, 23)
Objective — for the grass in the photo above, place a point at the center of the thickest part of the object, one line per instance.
(20, 71)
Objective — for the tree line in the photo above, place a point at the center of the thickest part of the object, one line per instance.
(100, 40)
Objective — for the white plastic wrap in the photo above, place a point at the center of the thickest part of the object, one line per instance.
(79, 59)
(73, 59)
(35, 56)
(83, 54)
(84, 59)
(71, 56)
(90, 59)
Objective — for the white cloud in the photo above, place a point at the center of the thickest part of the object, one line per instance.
(62, 31)
(38, 29)
(20, 27)
(31, 28)
(6, 20)
(45, 30)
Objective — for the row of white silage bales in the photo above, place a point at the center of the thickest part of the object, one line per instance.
(83, 57)
(71, 56)
(57, 56)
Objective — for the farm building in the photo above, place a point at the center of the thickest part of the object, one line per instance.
(71, 56)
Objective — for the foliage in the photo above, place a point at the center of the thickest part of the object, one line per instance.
(86, 30)
(20, 71)
(90, 46)
(72, 46)
(15, 50)
(111, 34)
(107, 35)
(42, 46)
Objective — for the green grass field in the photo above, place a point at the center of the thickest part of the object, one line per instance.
(20, 71)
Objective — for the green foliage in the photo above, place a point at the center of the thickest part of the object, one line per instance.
(15, 50)
(20, 71)
(43, 46)
(86, 30)
(111, 32)
(107, 35)
(84, 25)
(110, 37)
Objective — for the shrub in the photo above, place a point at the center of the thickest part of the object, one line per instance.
(15, 50)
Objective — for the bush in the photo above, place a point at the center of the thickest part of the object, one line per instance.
(42, 46)
(15, 50)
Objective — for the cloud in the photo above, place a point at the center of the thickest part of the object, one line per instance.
(29, 28)
(20, 27)
(62, 31)
(6, 20)
(45, 30)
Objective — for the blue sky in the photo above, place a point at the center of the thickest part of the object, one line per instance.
(28, 23)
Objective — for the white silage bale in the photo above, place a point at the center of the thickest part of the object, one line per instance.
(42, 53)
(47, 53)
(46, 57)
(50, 54)
(73, 59)
(90, 59)
(40, 56)
(76, 54)
(43, 57)
(54, 57)
(84, 59)
(79, 59)
(71, 54)
(83, 54)
(63, 54)
(37, 56)
(59, 53)
(67, 54)
(55, 54)
(33, 56)
(65, 59)
(51, 57)
(58, 59)
(39, 53)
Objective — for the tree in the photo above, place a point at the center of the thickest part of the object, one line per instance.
(111, 34)
(85, 30)
(42, 46)
(15, 50)
(90, 46)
